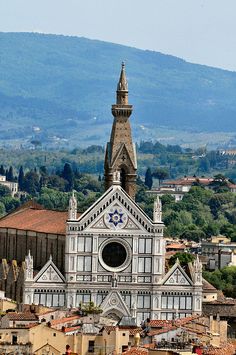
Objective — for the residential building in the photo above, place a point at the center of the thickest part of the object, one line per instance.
(220, 252)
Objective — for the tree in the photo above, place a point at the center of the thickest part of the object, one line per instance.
(148, 178)
(68, 175)
(4, 191)
(9, 174)
(184, 258)
(21, 177)
(160, 174)
(2, 170)
(31, 183)
(90, 308)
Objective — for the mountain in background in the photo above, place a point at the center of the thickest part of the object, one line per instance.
(61, 88)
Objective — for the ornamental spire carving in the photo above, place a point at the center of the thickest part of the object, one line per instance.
(29, 267)
(72, 214)
(157, 211)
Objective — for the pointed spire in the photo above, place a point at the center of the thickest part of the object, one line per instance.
(72, 206)
(122, 88)
(122, 84)
(157, 211)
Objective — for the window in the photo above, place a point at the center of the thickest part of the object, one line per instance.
(14, 340)
(127, 299)
(145, 264)
(141, 316)
(91, 346)
(84, 263)
(72, 263)
(82, 298)
(176, 302)
(72, 243)
(144, 301)
(85, 244)
(54, 334)
(145, 245)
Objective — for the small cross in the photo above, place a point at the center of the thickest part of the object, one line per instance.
(178, 274)
(123, 158)
(50, 272)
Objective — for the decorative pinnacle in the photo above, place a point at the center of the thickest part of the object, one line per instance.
(122, 84)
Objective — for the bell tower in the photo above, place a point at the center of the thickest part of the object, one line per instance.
(120, 151)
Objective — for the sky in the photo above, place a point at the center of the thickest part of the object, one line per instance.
(200, 31)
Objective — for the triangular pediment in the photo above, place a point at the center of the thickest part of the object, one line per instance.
(115, 211)
(49, 274)
(176, 277)
(114, 303)
(123, 156)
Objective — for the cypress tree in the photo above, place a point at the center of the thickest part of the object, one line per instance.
(68, 175)
(21, 177)
(148, 178)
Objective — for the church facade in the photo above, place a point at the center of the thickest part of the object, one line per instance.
(114, 253)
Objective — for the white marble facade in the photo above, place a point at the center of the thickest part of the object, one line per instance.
(115, 257)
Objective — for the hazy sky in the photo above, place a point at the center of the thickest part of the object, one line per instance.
(201, 31)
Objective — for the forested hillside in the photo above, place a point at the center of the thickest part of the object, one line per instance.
(56, 87)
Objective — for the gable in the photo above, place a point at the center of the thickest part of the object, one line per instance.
(115, 211)
(116, 217)
(177, 278)
(114, 303)
(123, 157)
(49, 274)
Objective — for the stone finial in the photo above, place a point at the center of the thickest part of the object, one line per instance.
(157, 211)
(116, 178)
(197, 267)
(72, 206)
(29, 267)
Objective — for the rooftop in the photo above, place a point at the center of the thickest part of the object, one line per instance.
(21, 316)
(33, 217)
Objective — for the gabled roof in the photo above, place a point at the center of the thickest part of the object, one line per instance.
(36, 219)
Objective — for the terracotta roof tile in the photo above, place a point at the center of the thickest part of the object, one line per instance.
(135, 351)
(224, 349)
(71, 329)
(37, 220)
(157, 323)
(21, 316)
(64, 320)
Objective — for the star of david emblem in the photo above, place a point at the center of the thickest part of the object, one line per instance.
(115, 217)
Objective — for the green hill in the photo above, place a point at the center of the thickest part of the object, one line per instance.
(56, 87)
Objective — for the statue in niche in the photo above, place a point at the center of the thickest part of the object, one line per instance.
(114, 281)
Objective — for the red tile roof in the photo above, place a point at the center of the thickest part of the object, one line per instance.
(135, 351)
(12, 316)
(175, 246)
(158, 323)
(189, 180)
(71, 329)
(64, 320)
(36, 219)
(224, 349)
